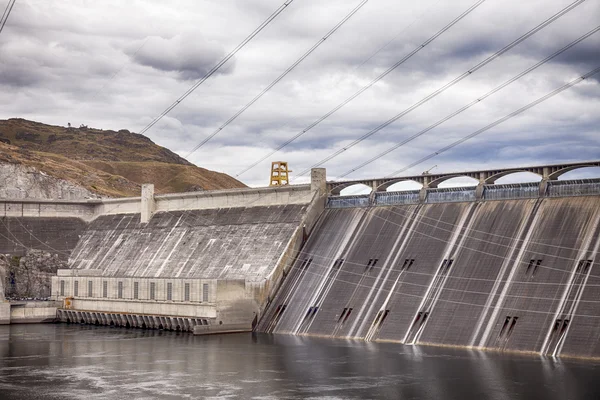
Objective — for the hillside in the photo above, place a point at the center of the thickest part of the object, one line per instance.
(105, 162)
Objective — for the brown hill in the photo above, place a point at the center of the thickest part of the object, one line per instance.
(105, 162)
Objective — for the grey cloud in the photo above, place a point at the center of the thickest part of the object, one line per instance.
(191, 56)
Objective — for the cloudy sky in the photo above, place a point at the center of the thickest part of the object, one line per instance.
(119, 64)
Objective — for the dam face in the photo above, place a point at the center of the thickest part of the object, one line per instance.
(518, 275)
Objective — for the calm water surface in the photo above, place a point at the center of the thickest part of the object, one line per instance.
(84, 362)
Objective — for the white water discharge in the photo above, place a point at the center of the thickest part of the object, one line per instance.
(160, 248)
(448, 249)
(404, 238)
(340, 249)
(168, 258)
(516, 262)
(568, 287)
(452, 254)
(507, 260)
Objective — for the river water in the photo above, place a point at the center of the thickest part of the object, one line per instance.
(87, 362)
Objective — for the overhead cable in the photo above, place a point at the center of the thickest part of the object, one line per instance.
(364, 88)
(499, 121)
(6, 13)
(447, 85)
(279, 78)
(219, 65)
(476, 101)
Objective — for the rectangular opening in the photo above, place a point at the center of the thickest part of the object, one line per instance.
(169, 291)
(152, 290)
(186, 292)
(342, 315)
(62, 287)
(76, 288)
(405, 265)
(205, 292)
(374, 262)
(383, 317)
(308, 263)
(443, 265)
(449, 264)
(506, 324)
(303, 265)
(338, 263)
(410, 263)
(347, 315)
(90, 287)
(105, 289)
(512, 327)
(580, 266)
(535, 268)
(136, 290)
(120, 290)
(368, 266)
(531, 262)
(588, 265)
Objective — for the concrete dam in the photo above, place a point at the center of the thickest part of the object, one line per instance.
(506, 274)
(502, 267)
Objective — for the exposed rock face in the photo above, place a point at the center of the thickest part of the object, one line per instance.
(30, 276)
(20, 182)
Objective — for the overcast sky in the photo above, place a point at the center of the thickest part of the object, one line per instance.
(119, 64)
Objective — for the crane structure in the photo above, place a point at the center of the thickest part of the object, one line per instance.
(279, 173)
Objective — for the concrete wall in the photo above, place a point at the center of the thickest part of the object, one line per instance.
(234, 243)
(56, 235)
(32, 312)
(84, 209)
(490, 296)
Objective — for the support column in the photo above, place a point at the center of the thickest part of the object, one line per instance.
(318, 180)
(148, 205)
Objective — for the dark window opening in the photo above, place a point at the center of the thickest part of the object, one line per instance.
(345, 315)
(507, 329)
(169, 291)
(186, 295)
(446, 264)
(372, 262)
(136, 290)
(383, 317)
(537, 265)
(338, 263)
(152, 290)
(62, 288)
(90, 287)
(532, 267)
(104, 289)
(205, 292)
(584, 266)
(76, 289)
(120, 290)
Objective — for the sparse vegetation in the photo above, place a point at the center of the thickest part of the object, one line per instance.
(105, 162)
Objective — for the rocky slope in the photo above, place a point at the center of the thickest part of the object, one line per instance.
(39, 160)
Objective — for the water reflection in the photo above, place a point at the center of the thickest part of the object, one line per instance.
(60, 361)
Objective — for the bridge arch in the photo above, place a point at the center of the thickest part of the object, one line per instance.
(560, 172)
(393, 182)
(436, 182)
(355, 188)
(493, 178)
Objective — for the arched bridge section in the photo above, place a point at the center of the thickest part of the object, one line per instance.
(547, 173)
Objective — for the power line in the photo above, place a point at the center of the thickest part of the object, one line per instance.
(479, 99)
(364, 88)
(501, 120)
(6, 13)
(447, 85)
(219, 65)
(287, 71)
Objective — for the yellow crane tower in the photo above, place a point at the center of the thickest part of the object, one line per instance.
(279, 173)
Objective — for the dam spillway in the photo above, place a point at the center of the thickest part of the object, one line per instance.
(516, 275)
